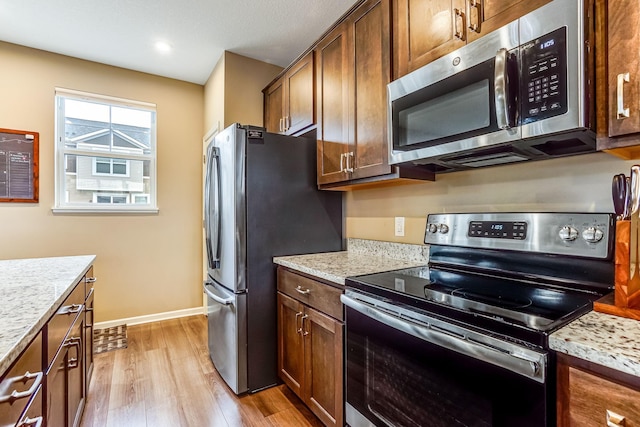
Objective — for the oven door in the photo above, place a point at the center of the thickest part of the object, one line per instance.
(407, 369)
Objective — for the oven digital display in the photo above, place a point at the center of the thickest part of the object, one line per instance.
(516, 230)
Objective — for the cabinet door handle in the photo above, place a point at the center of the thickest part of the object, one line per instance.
(342, 156)
(287, 123)
(74, 362)
(304, 333)
(351, 156)
(15, 394)
(478, 5)
(91, 280)
(622, 112)
(459, 16)
(298, 330)
(615, 420)
(280, 124)
(302, 290)
(35, 422)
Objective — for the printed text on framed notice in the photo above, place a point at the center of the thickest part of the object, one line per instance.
(18, 166)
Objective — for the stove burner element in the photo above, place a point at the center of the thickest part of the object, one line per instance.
(495, 300)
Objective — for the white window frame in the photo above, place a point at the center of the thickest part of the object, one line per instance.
(62, 204)
(134, 195)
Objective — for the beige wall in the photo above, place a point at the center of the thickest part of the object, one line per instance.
(146, 264)
(233, 92)
(580, 183)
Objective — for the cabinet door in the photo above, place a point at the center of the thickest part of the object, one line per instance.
(369, 27)
(332, 97)
(424, 30)
(56, 390)
(75, 372)
(290, 344)
(88, 341)
(274, 107)
(624, 67)
(484, 16)
(323, 353)
(588, 400)
(299, 103)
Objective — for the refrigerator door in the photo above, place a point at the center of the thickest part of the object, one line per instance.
(227, 335)
(225, 209)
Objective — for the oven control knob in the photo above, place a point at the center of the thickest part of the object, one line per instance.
(433, 228)
(568, 233)
(592, 235)
(444, 228)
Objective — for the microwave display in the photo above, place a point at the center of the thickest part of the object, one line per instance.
(544, 77)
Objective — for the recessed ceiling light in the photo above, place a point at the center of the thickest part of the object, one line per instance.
(163, 47)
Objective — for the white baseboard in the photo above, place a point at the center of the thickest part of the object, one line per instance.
(129, 321)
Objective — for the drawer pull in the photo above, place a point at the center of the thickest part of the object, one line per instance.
(615, 420)
(304, 333)
(302, 290)
(72, 309)
(15, 395)
(76, 342)
(36, 422)
(91, 280)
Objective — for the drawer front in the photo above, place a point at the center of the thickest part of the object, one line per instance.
(322, 297)
(21, 383)
(595, 401)
(60, 323)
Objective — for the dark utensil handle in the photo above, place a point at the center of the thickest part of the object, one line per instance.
(619, 193)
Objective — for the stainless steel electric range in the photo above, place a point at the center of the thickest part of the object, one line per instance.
(464, 340)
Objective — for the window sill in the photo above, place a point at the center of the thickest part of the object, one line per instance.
(126, 211)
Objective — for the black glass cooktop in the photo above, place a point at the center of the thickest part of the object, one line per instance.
(516, 302)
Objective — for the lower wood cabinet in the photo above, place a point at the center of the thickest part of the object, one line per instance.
(589, 395)
(20, 388)
(310, 344)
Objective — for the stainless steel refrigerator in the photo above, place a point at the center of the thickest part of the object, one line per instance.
(261, 200)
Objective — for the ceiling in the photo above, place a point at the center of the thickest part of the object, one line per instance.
(123, 32)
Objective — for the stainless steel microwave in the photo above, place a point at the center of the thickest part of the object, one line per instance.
(519, 93)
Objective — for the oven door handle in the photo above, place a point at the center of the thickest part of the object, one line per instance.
(532, 365)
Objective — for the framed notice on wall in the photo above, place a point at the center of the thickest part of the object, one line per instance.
(18, 166)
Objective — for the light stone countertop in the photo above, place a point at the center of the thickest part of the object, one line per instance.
(362, 257)
(31, 290)
(600, 338)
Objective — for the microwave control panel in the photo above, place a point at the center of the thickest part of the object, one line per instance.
(544, 77)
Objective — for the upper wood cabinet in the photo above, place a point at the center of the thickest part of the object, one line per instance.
(289, 106)
(353, 68)
(424, 30)
(619, 78)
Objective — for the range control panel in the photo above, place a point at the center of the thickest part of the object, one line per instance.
(575, 234)
(544, 77)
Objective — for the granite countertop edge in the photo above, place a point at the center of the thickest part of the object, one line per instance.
(603, 339)
(33, 326)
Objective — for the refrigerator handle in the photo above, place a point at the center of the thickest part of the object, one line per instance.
(216, 298)
(213, 170)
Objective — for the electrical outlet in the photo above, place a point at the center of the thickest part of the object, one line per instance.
(399, 226)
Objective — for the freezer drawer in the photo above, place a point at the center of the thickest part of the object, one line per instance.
(227, 316)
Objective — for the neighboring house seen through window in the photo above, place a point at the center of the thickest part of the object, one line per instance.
(105, 153)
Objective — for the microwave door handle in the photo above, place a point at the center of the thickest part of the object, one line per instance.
(501, 88)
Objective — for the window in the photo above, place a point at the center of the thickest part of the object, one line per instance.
(105, 154)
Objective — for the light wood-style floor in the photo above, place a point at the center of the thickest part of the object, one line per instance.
(165, 378)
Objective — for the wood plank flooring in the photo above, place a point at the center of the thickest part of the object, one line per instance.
(165, 378)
